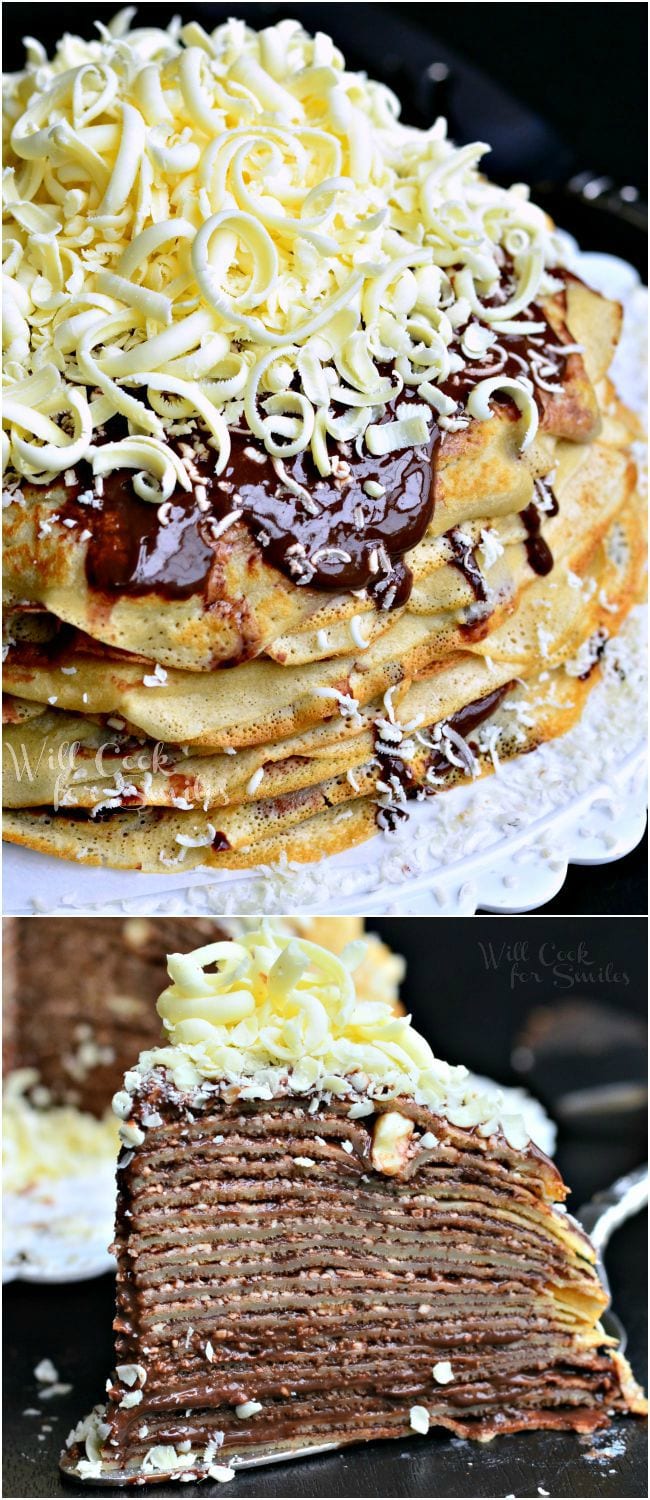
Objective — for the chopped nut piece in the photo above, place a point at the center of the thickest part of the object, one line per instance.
(390, 1143)
(419, 1419)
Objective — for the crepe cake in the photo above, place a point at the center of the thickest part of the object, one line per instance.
(75, 1036)
(269, 803)
(326, 1235)
(300, 394)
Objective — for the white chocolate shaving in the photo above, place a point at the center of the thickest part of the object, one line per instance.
(248, 1409)
(391, 436)
(235, 216)
(478, 402)
(269, 1007)
(132, 1398)
(419, 1419)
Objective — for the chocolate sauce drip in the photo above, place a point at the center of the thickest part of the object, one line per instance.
(332, 537)
(392, 589)
(131, 552)
(354, 541)
(336, 537)
(393, 765)
(220, 841)
(518, 349)
(465, 561)
(538, 551)
(465, 721)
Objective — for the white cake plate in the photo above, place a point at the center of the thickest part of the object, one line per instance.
(502, 844)
(59, 1230)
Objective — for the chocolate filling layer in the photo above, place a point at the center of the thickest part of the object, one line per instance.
(332, 537)
(277, 1288)
(464, 722)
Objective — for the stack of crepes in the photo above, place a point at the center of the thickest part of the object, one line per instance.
(320, 498)
(326, 1235)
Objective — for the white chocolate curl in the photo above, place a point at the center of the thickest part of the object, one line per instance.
(236, 225)
(270, 1009)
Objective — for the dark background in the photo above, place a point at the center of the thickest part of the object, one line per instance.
(471, 987)
(465, 986)
(555, 88)
(472, 993)
(582, 68)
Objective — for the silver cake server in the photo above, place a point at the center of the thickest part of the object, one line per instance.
(605, 1212)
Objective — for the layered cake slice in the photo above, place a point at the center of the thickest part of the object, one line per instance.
(326, 1235)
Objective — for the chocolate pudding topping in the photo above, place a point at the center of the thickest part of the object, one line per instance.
(327, 533)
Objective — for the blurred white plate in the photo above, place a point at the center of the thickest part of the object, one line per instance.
(60, 1230)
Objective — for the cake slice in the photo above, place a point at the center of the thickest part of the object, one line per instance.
(326, 1235)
